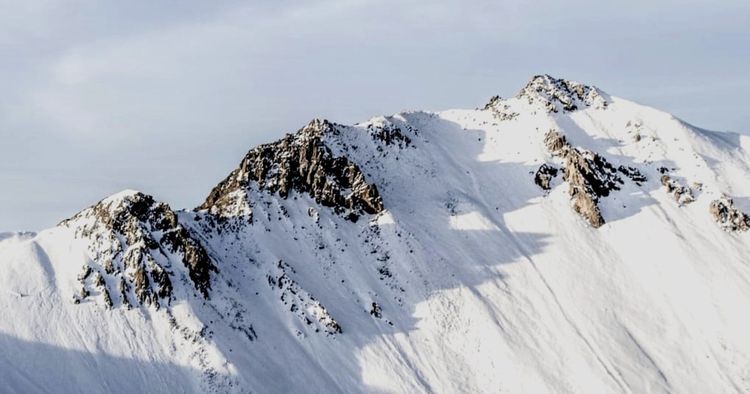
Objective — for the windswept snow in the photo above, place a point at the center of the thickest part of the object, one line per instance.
(472, 278)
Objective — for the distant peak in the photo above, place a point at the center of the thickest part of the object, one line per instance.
(127, 194)
(557, 94)
(546, 81)
(315, 128)
(318, 124)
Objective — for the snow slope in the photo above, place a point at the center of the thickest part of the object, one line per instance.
(409, 253)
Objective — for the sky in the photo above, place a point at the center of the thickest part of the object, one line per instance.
(167, 96)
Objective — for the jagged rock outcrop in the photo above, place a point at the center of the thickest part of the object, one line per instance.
(682, 194)
(494, 101)
(729, 217)
(633, 174)
(133, 243)
(557, 95)
(556, 143)
(544, 175)
(500, 109)
(301, 162)
(589, 175)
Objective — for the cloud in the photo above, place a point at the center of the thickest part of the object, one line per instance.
(167, 97)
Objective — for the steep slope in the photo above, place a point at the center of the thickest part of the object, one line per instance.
(562, 240)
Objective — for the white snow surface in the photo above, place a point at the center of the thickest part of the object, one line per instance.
(484, 282)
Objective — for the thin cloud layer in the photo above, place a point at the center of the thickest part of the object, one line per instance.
(166, 98)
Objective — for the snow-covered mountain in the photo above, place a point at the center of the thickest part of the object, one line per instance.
(561, 240)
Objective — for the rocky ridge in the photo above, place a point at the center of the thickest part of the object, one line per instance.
(500, 109)
(300, 162)
(137, 246)
(349, 248)
(561, 95)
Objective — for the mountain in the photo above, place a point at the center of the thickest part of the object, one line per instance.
(560, 240)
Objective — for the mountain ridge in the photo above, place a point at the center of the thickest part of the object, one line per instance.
(561, 240)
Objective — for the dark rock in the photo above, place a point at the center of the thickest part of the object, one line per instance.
(124, 289)
(301, 162)
(500, 110)
(587, 183)
(85, 273)
(107, 298)
(729, 217)
(544, 176)
(127, 233)
(556, 143)
(389, 135)
(141, 286)
(561, 95)
(494, 101)
(376, 311)
(98, 280)
(682, 194)
(633, 173)
(161, 279)
(589, 175)
(109, 268)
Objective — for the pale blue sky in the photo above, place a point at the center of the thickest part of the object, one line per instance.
(166, 96)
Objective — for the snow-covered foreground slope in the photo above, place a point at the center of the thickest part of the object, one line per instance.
(422, 252)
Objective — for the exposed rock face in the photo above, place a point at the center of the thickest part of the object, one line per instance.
(544, 175)
(500, 109)
(729, 217)
(556, 143)
(589, 175)
(633, 174)
(376, 311)
(389, 134)
(134, 241)
(302, 162)
(682, 194)
(301, 303)
(561, 95)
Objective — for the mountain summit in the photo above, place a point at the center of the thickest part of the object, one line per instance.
(561, 240)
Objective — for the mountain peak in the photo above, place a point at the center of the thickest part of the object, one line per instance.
(299, 162)
(117, 208)
(135, 242)
(126, 194)
(557, 94)
(318, 126)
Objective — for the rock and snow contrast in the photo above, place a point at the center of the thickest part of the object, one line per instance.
(561, 240)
